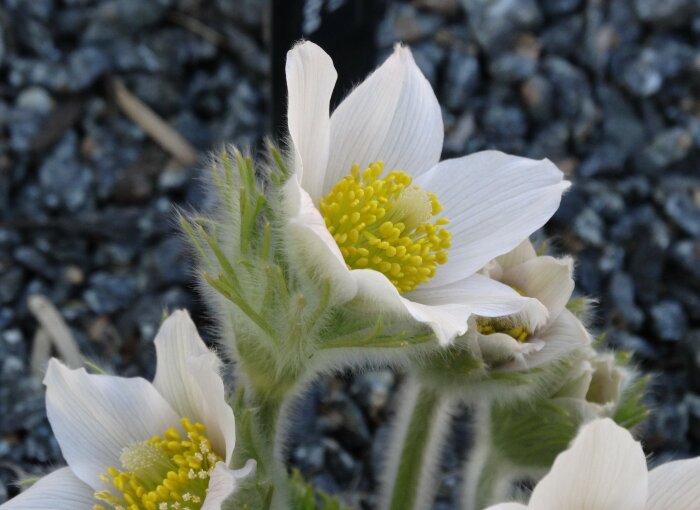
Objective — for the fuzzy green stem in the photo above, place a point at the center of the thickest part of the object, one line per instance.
(419, 430)
(486, 476)
(265, 434)
(486, 481)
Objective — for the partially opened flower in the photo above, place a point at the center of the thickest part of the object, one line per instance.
(132, 444)
(597, 386)
(383, 219)
(605, 469)
(516, 342)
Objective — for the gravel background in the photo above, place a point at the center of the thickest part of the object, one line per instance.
(609, 90)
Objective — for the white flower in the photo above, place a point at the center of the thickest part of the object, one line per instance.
(370, 203)
(605, 469)
(165, 444)
(517, 341)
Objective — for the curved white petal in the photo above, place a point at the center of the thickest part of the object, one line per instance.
(215, 413)
(310, 81)
(483, 296)
(547, 279)
(60, 490)
(607, 381)
(521, 253)
(499, 348)
(311, 241)
(493, 201)
(176, 342)
(675, 485)
(187, 375)
(562, 337)
(507, 506)
(448, 320)
(447, 310)
(392, 116)
(604, 469)
(95, 416)
(223, 483)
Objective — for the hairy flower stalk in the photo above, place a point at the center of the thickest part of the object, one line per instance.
(409, 478)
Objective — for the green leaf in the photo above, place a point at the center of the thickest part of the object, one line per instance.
(532, 435)
(305, 497)
(632, 410)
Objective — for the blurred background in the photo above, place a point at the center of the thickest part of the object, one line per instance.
(108, 109)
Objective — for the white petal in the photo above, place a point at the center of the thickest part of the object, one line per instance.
(313, 244)
(446, 310)
(482, 296)
(187, 375)
(521, 253)
(604, 469)
(310, 81)
(223, 483)
(177, 341)
(562, 338)
(60, 490)
(448, 320)
(547, 279)
(675, 485)
(493, 201)
(216, 414)
(508, 506)
(95, 416)
(392, 116)
(499, 348)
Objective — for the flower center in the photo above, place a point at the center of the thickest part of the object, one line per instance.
(387, 225)
(488, 326)
(163, 473)
(507, 325)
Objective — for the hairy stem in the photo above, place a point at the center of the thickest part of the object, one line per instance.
(419, 430)
(267, 447)
(486, 478)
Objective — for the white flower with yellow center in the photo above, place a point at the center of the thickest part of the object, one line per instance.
(605, 469)
(514, 341)
(135, 445)
(375, 210)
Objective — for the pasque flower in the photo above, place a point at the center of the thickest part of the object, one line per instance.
(605, 469)
(131, 444)
(385, 221)
(511, 341)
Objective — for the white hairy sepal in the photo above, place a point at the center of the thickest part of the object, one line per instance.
(410, 469)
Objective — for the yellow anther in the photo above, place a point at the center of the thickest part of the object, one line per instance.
(487, 326)
(387, 225)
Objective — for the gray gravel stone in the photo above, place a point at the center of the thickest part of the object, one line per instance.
(670, 321)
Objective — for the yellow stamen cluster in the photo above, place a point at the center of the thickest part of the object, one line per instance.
(163, 473)
(489, 326)
(387, 225)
